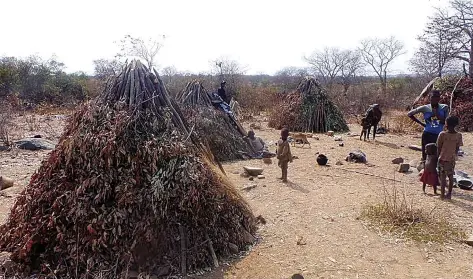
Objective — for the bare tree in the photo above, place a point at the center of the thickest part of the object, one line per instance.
(351, 64)
(438, 48)
(459, 27)
(379, 54)
(140, 48)
(327, 64)
(104, 68)
(289, 77)
(229, 70)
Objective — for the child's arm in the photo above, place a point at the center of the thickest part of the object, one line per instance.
(439, 144)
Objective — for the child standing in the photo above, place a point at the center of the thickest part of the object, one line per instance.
(448, 144)
(430, 175)
(284, 153)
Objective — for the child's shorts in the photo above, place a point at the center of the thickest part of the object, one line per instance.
(446, 168)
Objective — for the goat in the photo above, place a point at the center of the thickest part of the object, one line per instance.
(299, 137)
(371, 119)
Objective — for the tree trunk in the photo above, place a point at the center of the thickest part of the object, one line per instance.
(470, 62)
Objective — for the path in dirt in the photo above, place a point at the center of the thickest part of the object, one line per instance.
(319, 208)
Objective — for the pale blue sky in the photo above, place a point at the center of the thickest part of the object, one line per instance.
(264, 35)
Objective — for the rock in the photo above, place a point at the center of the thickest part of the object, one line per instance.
(253, 171)
(341, 144)
(301, 241)
(338, 138)
(37, 136)
(398, 161)
(330, 133)
(251, 178)
(249, 187)
(469, 241)
(233, 248)
(403, 168)
(35, 144)
(339, 163)
(235, 172)
(294, 157)
(267, 161)
(5, 182)
(415, 147)
(261, 176)
(297, 276)
(316, 138)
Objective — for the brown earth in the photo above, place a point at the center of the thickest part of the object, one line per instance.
(312, 222)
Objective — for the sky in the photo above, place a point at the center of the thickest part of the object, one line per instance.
(262, 35)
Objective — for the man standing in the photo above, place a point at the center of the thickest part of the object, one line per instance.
(434, 119)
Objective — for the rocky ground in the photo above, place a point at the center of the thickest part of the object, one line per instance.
(312, 223)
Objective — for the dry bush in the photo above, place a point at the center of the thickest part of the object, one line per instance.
(6, 116)
(255, 99)
(397, 122)
(32, 123)
(398, 216)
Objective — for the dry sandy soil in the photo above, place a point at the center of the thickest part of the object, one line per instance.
(319, 208)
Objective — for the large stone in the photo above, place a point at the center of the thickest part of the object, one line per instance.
(415, 147)
(404, 168)
(253, 171)
(338, 138)
(398, 161)
(330, 133)
(469, 241)
(35, 144)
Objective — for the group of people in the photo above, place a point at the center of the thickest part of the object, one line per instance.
(439, 147)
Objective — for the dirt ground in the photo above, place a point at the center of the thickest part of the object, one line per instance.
(312, 222)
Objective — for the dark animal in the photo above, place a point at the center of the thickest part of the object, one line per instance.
(372, 117)
(364, 127)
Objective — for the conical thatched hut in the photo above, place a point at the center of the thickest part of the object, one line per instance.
(308, 109)
(128, 188)
(220, 131)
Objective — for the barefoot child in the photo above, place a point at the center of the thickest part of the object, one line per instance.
(448, 144)
(430, 175)
(284, 153)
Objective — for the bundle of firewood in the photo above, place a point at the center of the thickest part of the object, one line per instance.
(126, 189)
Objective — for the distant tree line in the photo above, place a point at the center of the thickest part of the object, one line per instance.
(34, 80)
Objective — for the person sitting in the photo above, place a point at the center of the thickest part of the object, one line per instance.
(258, 146)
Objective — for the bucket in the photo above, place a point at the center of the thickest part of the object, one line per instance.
(5, 182)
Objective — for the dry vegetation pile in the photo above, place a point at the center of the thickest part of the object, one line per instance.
(462, 105)
(308, 109)
(223, 135)
(398, 216)
(127, 188)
